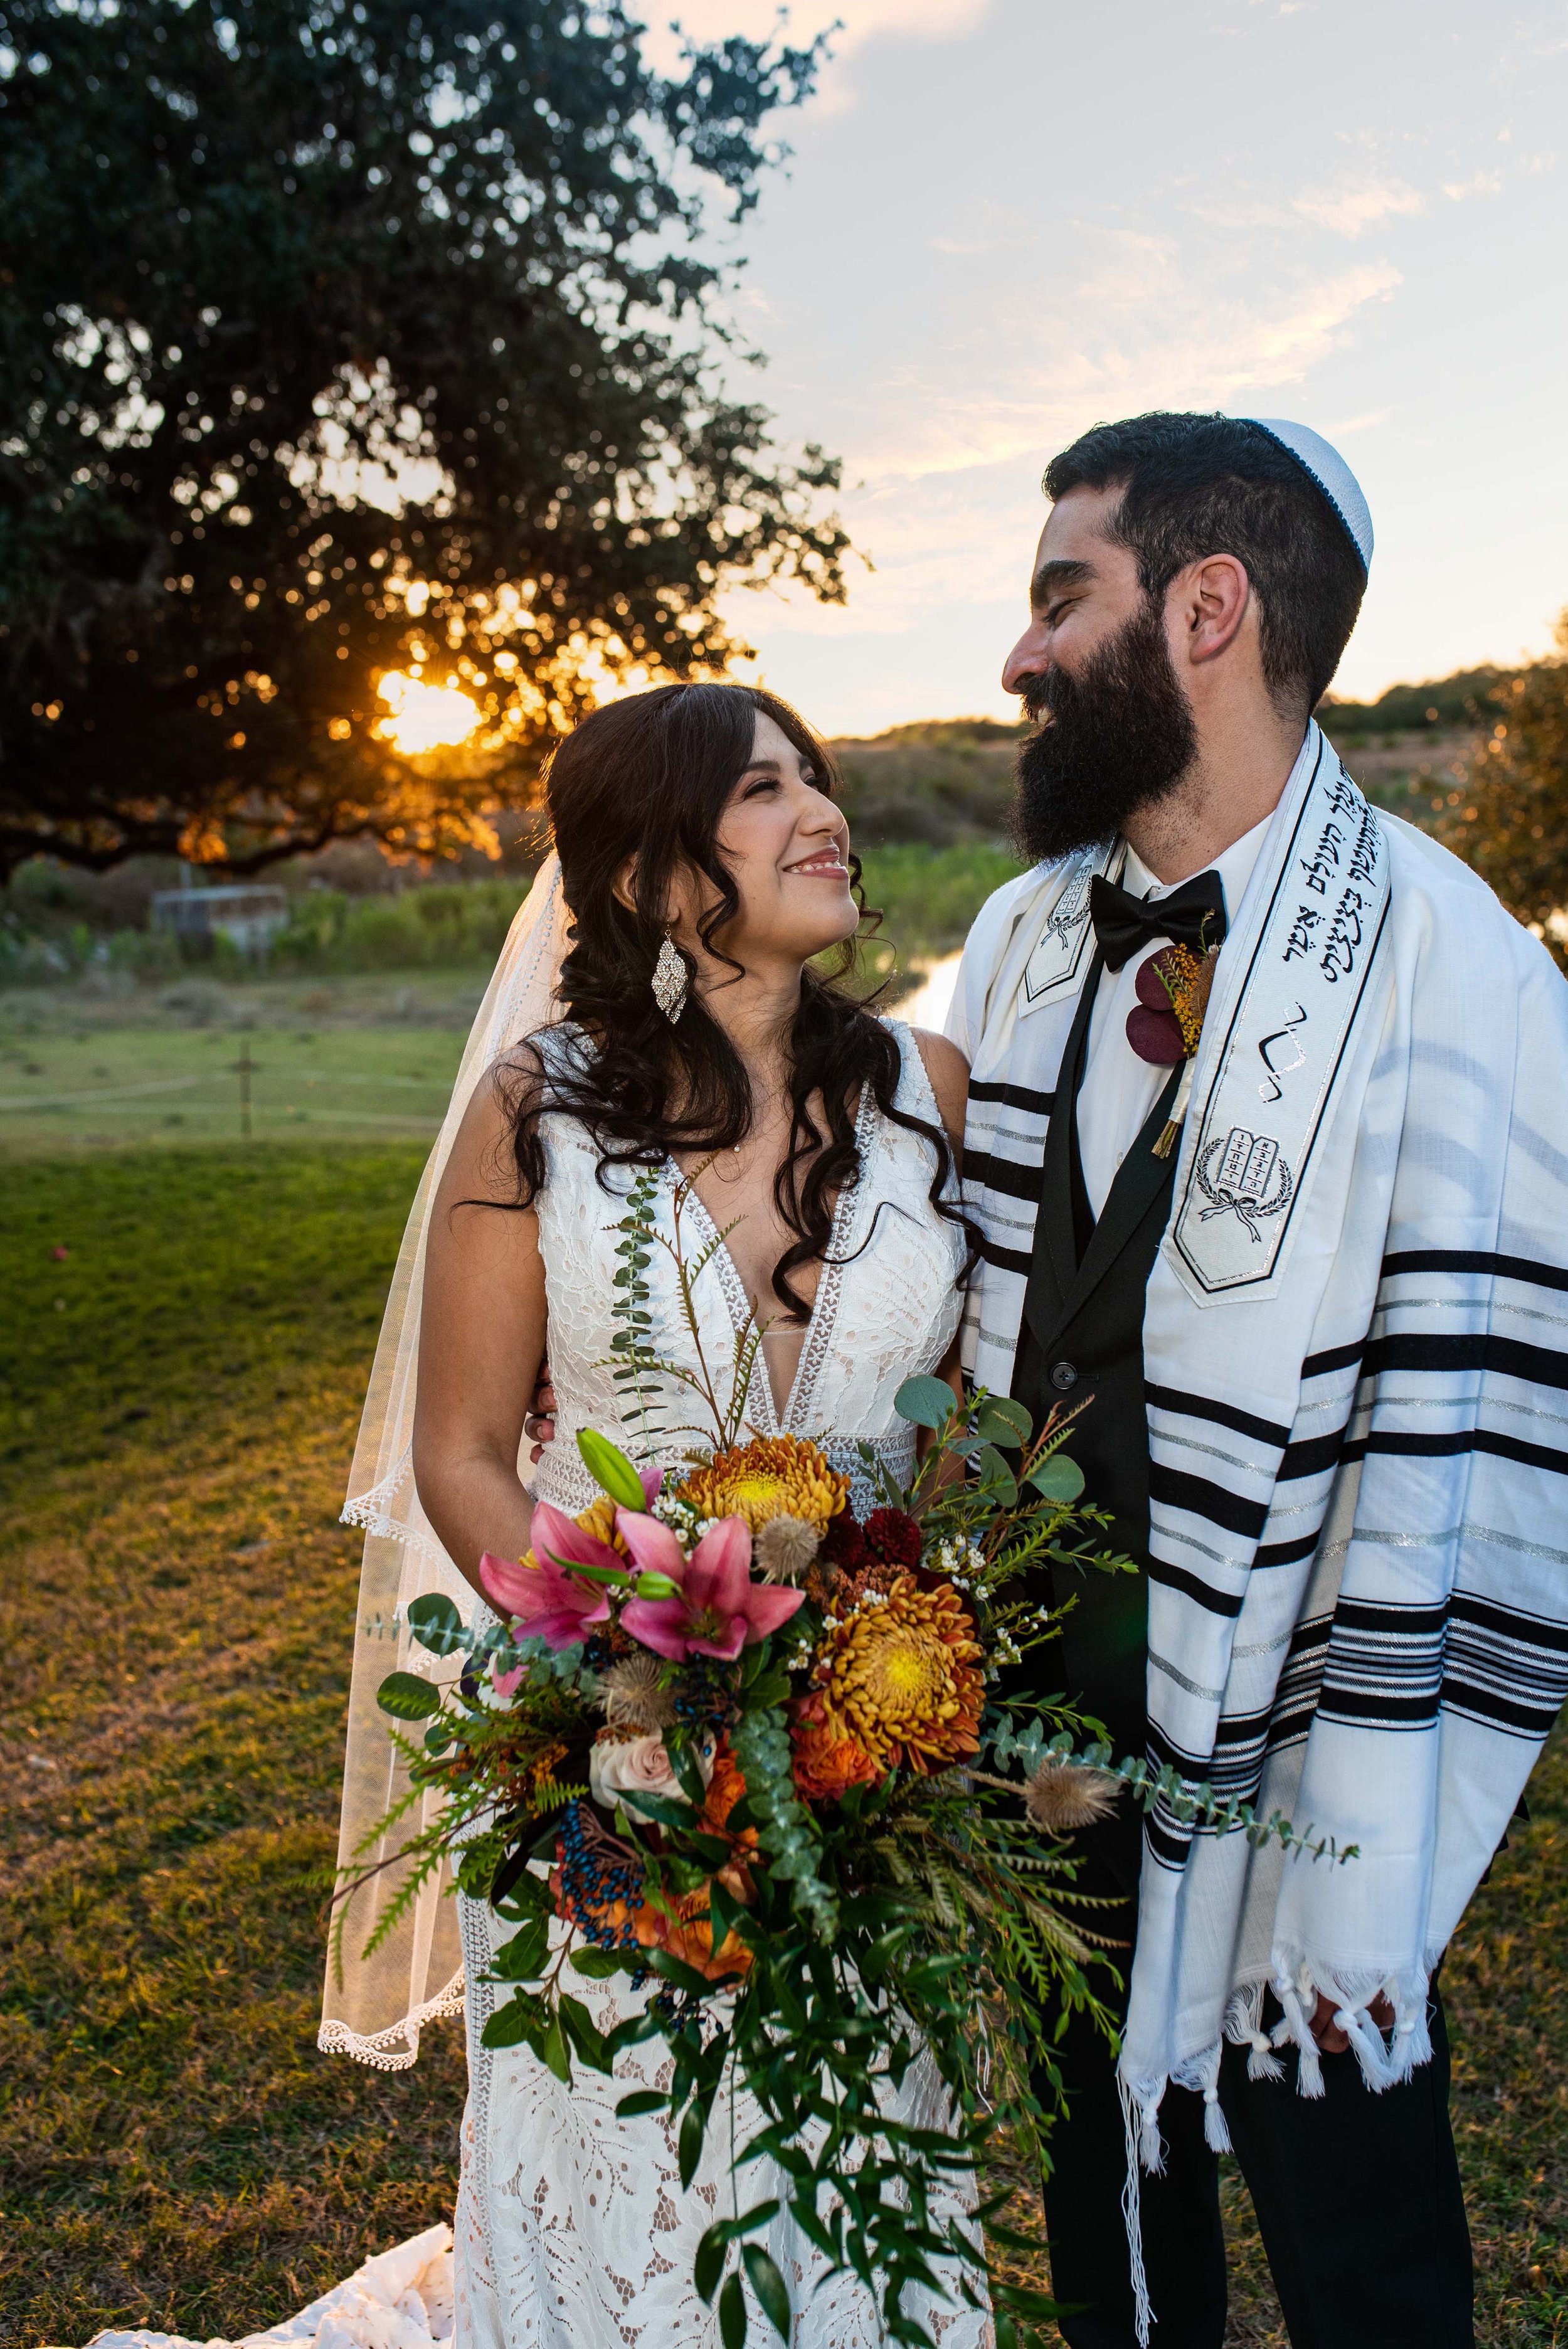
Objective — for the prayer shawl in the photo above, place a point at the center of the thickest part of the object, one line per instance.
(1356, 1349)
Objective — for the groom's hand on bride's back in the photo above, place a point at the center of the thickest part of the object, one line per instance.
(540, 1423)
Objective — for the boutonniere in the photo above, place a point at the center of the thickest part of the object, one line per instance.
(1167, 1022)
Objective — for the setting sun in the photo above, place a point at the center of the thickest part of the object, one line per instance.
(423, 717)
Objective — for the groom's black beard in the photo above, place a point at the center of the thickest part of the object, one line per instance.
(1120, 737)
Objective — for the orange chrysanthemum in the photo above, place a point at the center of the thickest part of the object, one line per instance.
(827, 1764)
(773, 1476)
(899, 1676)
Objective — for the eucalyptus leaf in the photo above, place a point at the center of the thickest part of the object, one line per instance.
(1059, 1479)
(436, 1623)
(996, 1479)
(1001, 1410)
(406, 1697)
(927, 1402)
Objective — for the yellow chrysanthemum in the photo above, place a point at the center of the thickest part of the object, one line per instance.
(774, 1476)
(900, 1676)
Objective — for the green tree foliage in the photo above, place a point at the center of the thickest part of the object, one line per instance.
(1511, 820)
(1440, 702)
(339, 336)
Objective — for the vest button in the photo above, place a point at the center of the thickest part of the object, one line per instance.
(1064, 1375)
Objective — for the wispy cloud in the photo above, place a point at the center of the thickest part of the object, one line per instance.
(1480, 183)
(1353, 206)
(1110, 350)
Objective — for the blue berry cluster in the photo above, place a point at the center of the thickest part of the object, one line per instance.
(594, 1877)
(705, 1701)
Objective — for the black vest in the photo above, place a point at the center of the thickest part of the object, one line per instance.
(1082, 1335)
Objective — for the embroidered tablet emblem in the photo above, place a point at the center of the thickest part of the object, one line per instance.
(1062, 952)
(1251, 1181)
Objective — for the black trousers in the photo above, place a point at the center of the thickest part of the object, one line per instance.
(1357, 2200)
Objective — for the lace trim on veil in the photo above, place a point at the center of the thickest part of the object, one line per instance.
(378, 2048)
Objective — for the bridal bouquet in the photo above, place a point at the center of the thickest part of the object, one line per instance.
(728, 1742)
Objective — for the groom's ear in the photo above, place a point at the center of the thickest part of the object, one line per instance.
(1211, 603)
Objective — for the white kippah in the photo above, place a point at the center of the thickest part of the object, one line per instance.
(1329, 469)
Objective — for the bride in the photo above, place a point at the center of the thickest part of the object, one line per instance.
(706, 871)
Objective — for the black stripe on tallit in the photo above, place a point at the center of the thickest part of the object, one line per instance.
(1223, 1415)
(1496, 1268)
(1005, 1259)
(1203, 1498)
(1011, 1096)
(1436, 1354)
(1014, 1180)
(1191, 1586)
(1455, 1445)
(1337, 1357)
(1312, 1456)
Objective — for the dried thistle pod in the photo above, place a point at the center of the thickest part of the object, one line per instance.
(785, 1549)
(633, 1700)
(1062, 1797)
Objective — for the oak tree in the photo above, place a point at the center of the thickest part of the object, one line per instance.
(340, 339)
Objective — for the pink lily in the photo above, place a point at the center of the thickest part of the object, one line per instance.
(505, 1684)
(548, 1602)
(718, 1610)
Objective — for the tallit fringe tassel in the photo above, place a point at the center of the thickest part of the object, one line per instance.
(1137, 2116)
(1295, 2029)
(1263, 2064)
(1382, 2066)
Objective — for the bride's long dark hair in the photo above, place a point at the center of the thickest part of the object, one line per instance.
(642, 784)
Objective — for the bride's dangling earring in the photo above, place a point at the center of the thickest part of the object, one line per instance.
(670, 981)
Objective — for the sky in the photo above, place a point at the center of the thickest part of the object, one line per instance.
(1006, 220)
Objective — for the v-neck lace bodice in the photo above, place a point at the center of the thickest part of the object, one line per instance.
(886, 1303)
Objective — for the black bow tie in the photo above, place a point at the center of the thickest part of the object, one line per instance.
(1193, 915)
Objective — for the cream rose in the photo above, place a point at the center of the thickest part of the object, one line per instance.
(638, 1765)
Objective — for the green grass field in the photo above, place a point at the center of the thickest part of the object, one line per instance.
(178, 1399)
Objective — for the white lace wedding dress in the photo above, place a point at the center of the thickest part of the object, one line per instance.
(573, 2231)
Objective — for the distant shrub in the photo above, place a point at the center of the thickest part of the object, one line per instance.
(1509, 818)
(939, 784)
(1443, 702)
(445, 923)
(150, 955)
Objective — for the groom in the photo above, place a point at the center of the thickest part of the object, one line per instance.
(1289, 1208)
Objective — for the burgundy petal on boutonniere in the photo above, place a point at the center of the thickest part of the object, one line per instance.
(1167, 1022)
(1153, 1030)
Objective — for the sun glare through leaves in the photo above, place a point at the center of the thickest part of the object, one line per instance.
(423, 717)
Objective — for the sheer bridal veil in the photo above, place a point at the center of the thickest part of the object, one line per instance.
(373, 2008)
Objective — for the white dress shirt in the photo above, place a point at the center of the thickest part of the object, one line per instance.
(1118, 1089)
